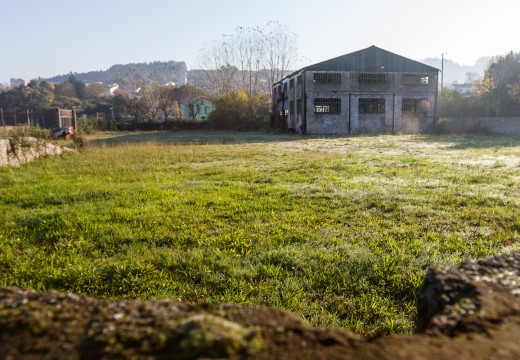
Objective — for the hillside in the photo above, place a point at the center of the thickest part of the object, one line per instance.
(133, 75)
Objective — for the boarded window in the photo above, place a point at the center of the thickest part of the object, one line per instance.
(327, 106)
(416, 105)
(415, 79)
(372, 79)
(372, 106)
(299, 106)
(327, 78)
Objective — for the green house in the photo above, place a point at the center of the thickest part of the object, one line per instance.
(198, 109)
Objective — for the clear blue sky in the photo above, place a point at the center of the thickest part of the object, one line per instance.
(52, 37)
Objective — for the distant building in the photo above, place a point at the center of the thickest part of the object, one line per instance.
(14, 83)
(464, 89)
(196, 110)
(371, 91)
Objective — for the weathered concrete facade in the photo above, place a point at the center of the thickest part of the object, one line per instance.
(371, 91)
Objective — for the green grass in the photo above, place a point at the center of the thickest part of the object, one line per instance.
(338, 230)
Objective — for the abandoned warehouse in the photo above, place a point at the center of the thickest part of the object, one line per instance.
(371, 91)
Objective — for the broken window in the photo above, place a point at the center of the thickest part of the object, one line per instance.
(372, 79)
(415, 105)
(415, 79)
(327, 106)
(327, 78)
(372, 106)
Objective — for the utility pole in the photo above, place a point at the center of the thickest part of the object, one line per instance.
(442, 71)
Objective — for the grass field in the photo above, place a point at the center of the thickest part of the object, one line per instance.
(338, 230)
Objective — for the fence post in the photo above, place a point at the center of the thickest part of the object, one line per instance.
(2, 116)
(28, 118)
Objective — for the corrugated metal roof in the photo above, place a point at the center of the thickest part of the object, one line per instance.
(371, 59)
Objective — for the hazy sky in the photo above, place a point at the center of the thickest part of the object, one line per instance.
(52, 37)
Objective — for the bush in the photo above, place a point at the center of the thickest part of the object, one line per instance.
(91, 125)
(237, 111)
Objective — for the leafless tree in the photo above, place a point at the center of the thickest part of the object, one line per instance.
(251, 59)
(281, 52)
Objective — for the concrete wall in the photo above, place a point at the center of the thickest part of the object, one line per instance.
(350, 121)
(493, 126)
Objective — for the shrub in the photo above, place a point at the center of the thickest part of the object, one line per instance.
(236, 111)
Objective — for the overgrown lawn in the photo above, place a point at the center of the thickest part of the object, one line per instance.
(339, 230)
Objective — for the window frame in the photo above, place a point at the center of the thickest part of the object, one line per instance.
(327, 78)
(372, 106)
(372, 78)
(327, 106)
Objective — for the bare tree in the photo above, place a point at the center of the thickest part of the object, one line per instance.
(218, 65)
(280, 52)
(251, 60)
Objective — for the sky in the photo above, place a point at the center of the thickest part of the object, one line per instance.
(44, 38)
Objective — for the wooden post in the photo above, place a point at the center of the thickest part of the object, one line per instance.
(2, 116)
(28, 118)
(74, 121)
(14, 116)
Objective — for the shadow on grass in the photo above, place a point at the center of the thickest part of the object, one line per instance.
(472, 141)
(199, 137)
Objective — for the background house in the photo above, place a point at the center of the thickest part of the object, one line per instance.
(199, 109)
(370, 91)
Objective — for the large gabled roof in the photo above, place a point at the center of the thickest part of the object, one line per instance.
(371, 59)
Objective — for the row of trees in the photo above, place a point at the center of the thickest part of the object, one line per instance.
(240, 69)
(498, 94)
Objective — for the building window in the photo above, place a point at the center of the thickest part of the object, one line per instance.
(299, 106)
(372, 79)
(416, 105)
(284, 86)
(372, 106)
(291, 107)
(327, 106)
(291, 83)
(415, 79)
(327, 78)
(299, 79)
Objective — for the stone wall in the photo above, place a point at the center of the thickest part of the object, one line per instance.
(471, 311)
(17, 151)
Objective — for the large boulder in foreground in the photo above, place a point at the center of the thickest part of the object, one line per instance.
(468, 312)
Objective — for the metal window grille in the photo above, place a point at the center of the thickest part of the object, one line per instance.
(372, 79)
(372, 106)
(327, 78)
(415, 79)
(327, 106)
(415, 105)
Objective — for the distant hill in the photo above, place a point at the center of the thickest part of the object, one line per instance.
(133, 75)
(456, 73)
